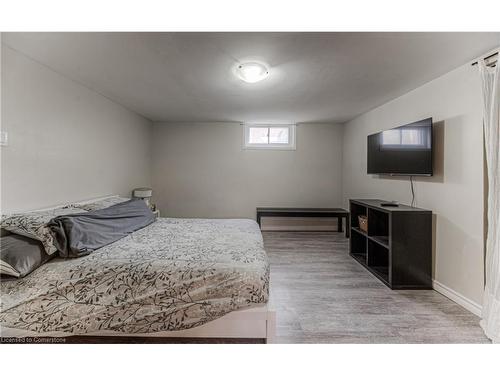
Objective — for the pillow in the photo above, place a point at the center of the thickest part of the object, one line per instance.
(34, 224)
(100, 203)
(21, 255)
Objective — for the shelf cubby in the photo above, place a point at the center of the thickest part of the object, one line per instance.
(356, 211)
(378, 260)
(358, 248)
(378, 223)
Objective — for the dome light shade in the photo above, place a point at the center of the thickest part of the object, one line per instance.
(252, 72)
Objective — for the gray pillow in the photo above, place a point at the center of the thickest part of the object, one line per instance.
(21, 255)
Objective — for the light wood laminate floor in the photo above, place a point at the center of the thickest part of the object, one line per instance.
(321, 295)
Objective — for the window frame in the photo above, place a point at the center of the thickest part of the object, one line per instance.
(290, 146)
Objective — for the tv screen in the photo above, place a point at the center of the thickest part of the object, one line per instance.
(405, 150)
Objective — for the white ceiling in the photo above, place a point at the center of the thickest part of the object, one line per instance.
(314, 77)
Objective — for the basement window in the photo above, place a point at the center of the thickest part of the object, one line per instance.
(270, 137)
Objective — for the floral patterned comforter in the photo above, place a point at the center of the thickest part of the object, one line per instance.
(174, 274)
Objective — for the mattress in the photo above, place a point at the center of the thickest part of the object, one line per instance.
(174, 274)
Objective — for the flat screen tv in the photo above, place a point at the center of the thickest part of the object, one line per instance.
(405, 150)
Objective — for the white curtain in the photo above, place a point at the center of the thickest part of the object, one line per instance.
(491, 100)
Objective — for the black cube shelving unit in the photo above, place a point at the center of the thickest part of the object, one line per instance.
(397, 248)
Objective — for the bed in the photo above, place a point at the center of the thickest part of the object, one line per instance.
(204, 278)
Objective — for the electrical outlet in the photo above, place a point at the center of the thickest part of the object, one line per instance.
(4, 138)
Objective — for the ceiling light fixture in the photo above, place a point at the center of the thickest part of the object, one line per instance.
(252, 72)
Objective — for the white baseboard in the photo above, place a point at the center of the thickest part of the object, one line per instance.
(472, 306)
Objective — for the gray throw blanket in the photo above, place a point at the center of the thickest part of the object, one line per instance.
(79, 234)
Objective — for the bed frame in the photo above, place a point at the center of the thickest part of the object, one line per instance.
(254, 324)
(250, 325)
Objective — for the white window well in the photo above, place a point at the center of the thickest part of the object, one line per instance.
(271, 137)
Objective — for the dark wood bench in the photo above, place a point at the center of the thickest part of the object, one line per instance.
(338, 213)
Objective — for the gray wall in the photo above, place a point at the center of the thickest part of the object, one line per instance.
(455, 193)
(201, 170)
(66, 142)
